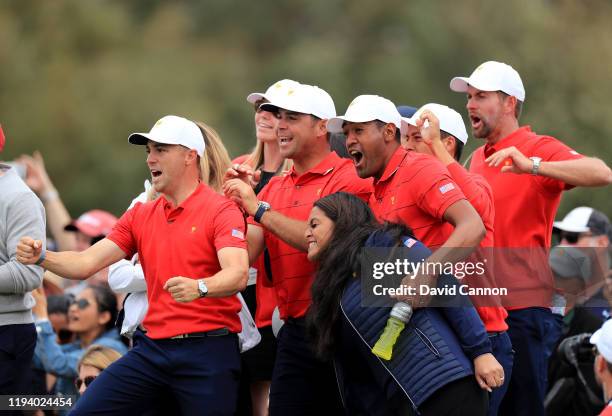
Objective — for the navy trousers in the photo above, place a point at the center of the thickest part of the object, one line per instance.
(201, 373)
(502, 350)
(532, 331)
(301, 383)
(17, 343)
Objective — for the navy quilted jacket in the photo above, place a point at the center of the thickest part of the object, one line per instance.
(436, 347)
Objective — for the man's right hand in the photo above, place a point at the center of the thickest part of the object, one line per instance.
(29, 250)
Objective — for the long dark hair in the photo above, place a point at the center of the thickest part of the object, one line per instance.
(353, 222)
(107, 302)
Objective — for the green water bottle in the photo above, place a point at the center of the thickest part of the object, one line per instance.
(398, 318)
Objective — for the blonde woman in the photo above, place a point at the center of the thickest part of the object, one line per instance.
(95, 359)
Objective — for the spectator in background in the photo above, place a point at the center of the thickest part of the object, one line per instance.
(93, 361)
(528, 174)
(91, 317)
(20, 213)
(57, 311)
(591, 232)
(602, 339)
(572, 271)
(39, 181)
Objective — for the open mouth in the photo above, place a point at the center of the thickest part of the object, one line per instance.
(357, 156)
(476, 122)
(155, 173)
(285, 140)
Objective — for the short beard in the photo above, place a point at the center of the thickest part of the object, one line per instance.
(484, 132)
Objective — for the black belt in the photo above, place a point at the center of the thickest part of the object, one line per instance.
(214, 333)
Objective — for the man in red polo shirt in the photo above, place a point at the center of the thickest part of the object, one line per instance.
(409, 187)
(527, 173)
(191, 244)
(416, 190)
(444, 138)
(301, 384)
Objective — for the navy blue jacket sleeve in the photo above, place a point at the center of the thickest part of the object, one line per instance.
(462, 317)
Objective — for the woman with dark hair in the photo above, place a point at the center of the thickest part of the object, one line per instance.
(91, 317)
(431, 371)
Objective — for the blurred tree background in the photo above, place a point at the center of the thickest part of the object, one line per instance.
(79, 75)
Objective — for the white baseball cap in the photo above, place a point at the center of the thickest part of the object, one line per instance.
(602, 339)
(278, 88)
(366, 108)
(173, 130)
(492, 76)
(450, 120)
(303, 98)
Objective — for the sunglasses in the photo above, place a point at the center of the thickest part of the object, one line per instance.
(87, 380)
(573, 238)
(81, 303)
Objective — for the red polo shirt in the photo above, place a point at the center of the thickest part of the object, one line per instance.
(525, 207)
(293, 196)
(183, 241)
(479, 194)
(416, 189)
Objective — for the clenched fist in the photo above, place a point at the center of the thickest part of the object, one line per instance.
(29, 250)
(182, 289)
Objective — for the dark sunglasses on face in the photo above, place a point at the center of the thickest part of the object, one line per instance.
(87, 380)
(573, 238)
(80, 303)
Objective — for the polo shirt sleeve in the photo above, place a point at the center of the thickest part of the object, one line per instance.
(434, 189)
(229, 227)
(346, 180)
(553, 150)
(475, 188)
(122, 232)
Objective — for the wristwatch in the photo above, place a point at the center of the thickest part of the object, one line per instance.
(262, 207)
(202, 288)
(536, 164)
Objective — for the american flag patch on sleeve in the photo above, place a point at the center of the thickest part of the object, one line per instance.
(445, 188)
(237, 233)
(409, 242)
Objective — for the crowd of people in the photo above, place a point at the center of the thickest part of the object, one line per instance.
(236, 286)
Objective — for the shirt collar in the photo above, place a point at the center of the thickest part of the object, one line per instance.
(324, 167)
(393, 164)
(507, 141)
(201, 188)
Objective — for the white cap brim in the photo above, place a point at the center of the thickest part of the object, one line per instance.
(602, 346)
(255, 96)
(570, 228)
(143, 138)
(459, 84)
(334, 125)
